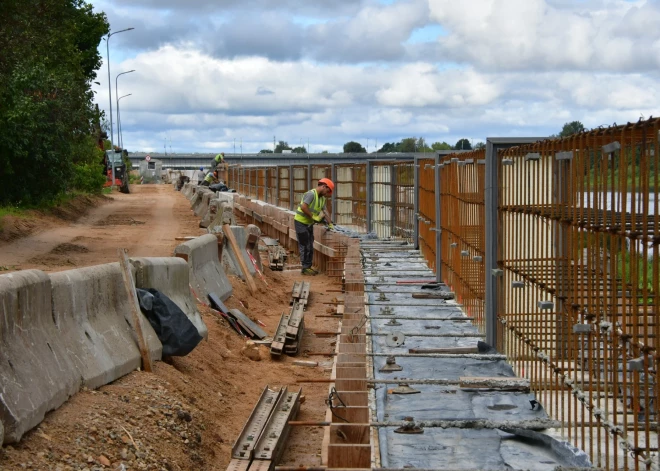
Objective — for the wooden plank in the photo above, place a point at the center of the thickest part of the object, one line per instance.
(352, 348)
(239, 256)
(354, 415)
(136, 313)
(352, 338)
(349, 433)
(350, 385)
(349, 456)
(356, 399)
(352, 373)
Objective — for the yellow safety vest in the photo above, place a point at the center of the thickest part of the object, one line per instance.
(219, 158)
(209, 177)
(317, 206)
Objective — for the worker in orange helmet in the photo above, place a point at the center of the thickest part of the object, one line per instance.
(312, 210)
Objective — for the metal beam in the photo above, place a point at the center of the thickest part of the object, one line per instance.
(493, 146)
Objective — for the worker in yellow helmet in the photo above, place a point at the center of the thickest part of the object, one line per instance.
(311, 210)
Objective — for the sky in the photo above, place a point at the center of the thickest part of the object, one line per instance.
(211, 74)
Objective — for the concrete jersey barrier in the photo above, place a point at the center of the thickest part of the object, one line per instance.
(93, 314)
(206, 273)
(170, 276)
(36, 370)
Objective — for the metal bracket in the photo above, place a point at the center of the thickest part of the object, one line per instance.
(545, 305)
(611, 147)
(533, 156)
(568, 155)
(507, 161)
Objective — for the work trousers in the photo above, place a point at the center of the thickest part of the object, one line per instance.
(305, 236)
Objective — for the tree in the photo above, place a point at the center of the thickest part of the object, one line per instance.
(324, 152)
(390, 147)
(353, 147)
(408, 144)
(480, 145)
(299, 150)
(441, 146)
(282, 145)
(463, 144)
(574, 127)
(265, 151)
(48, 61)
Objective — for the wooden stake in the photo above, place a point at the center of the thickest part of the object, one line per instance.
(239, 255)
(136, 314)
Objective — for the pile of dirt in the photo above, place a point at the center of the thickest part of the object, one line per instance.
(69, 248)
(187, 413)
(15, 227)
(119, 220)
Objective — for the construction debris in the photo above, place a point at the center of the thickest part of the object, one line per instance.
(239, 321)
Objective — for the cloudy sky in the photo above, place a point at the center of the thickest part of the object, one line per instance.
(209, 73)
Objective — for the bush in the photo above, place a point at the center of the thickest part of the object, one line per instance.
(88, 178)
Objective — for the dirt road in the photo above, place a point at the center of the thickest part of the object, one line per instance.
(145, 222)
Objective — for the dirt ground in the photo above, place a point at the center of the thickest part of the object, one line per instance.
(186, 414)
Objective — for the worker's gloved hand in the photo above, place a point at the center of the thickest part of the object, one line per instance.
(331, 226)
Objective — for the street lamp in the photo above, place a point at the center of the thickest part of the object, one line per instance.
(120, 136)
(112, 149)
(117, 94)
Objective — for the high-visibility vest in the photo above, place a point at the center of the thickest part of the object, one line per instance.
(209, 177)
(316, 207)
(219, 158)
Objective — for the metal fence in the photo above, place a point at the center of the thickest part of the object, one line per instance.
(553, 247)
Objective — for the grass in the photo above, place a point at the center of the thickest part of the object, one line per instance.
(631, 267)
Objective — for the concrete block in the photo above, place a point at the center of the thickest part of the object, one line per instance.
(36, 372)
(202, 205)
(229, 258)
(93, 315)
(170, 276)
(206, 273)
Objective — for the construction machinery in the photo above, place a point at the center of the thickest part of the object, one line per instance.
(116, 159)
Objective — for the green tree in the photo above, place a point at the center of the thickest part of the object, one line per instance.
(353, 147)
(441, 146)
(480, 145)
(48, 59)
(408, 144)
(390, 147)
(574, 127)
(299, 150)
(265, 151)
(463, 144)
(324, 152)
(282, 145)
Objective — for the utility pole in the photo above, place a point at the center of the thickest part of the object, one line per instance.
(274, 146)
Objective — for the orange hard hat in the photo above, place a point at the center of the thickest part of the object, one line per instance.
(327, 182)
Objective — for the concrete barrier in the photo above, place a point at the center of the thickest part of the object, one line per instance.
(200, 203)
(35, 369)
(170, 276)
(223, 214)
(206, 274)
(91, 311)
(242, 235)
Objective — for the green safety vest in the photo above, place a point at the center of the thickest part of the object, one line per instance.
(219, 158)
(316, 207)
(209, 177)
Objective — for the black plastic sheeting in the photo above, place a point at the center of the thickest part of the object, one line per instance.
(178, 335)
(450, 448)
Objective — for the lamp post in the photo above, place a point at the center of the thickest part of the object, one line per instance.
(120, 136)
(112, 148)
(117, 94)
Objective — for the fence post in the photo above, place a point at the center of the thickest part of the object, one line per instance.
(369, 183)
(309, 177)
(393, 206)
(416, 202)
(438, 215)
(493, 146)
(291, 180)
(333, 177)
(277, 186)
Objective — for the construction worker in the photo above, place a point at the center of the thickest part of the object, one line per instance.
(312, 210)
(211, 177)
(200, 175)
(217, 160)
